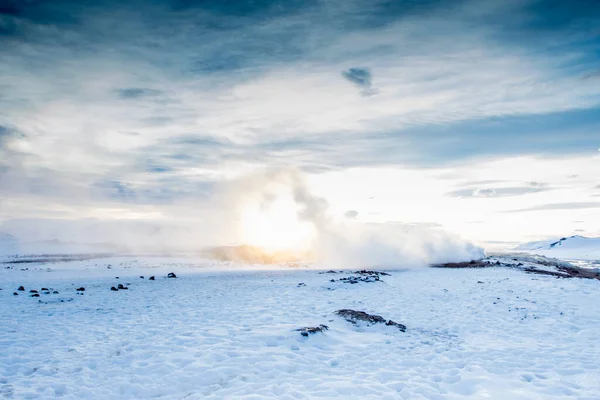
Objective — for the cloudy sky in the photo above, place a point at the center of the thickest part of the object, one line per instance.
(479, 116)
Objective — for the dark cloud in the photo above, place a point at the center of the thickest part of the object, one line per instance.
(359, 76)
(135, 93)
(559, 206)
(362, 78)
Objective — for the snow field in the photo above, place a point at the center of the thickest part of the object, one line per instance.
(230, 334)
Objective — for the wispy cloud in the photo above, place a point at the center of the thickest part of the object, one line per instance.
(560, 206)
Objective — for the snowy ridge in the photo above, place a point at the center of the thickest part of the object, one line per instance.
(572, 247)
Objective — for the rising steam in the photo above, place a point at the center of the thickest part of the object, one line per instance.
(218, 224)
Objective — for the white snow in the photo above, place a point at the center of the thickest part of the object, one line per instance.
(573, 247)
(223, 330)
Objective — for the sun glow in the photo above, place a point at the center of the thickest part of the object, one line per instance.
(273, 225)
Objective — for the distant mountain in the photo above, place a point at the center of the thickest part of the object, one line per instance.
(8, 244)
(572, 247)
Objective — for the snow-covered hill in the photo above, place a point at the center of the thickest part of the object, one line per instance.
(573, 247)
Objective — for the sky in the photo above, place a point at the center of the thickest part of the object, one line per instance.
(478, 117)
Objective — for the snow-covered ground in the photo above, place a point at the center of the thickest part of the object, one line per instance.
(223, 330)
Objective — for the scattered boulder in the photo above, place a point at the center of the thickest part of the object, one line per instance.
(151, 278)
(362, 276)
(81, 289)
(301, 284)
(46, 292)
(55, 292)
(33, 291)
(114, 289)
(45, 289)
(141, 276)
(373, 273)
(399, 326)
(356, 279)
(171, 275)
(121, 287)
(15, 294)
(116, 277)
(35, 295)
(360, 316)
(312, 329)
(21, 288)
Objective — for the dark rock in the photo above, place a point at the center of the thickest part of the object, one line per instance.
(151, 278)
(479, 282)
(46, 292)
(356, 279)
(375, 273)
(171, 275)
(21, 288)
(15, 294)
(361, 316)
(399, 326)
(141, 276)
(312, 329)
(122, 287)
(356, 316)
(33, 291)
(301, 284)
(45, 289)
(55, 292)
(35, 295)
(116, 277)
(114, 289)
(81, 289)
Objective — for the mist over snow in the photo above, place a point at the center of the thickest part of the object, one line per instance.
(272, 209)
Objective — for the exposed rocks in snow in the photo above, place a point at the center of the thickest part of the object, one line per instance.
(33, 291)
(361, 316)
(15, 294)
(151, 278)
(45, 289)
(55, 292)
(399, 326)
(356, 279)
(141, 276)
(35, 295)
(301, 284)
(121, 287)
(114, 289)
(330, 272)
(371, 273)
(531, 264)
(362, 276)
(46, 292)
(312, 329)
(171, 275)
(21, 288)
(81, 289)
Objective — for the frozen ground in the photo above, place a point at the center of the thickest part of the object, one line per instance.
(496, 333)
